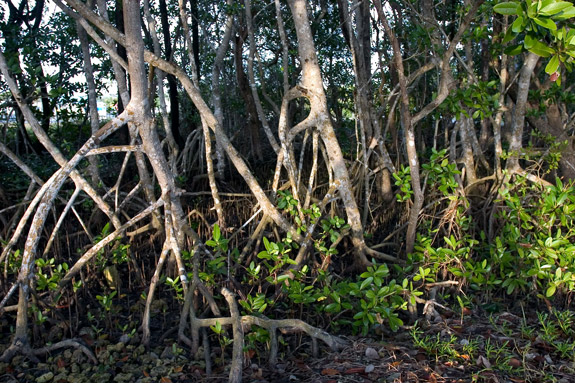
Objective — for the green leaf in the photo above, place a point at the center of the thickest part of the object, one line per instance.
(529, 41)
(217, 233)
(506, 8)
(542, 4)
(566, 14)
(514, 50)
(509, 35)
(365, 283)
(264, 255)
(531, 10)
(541, 49)
(550, 291)
(552, 65)
(554, 8)
(518, 25)
(282, 278)
(267, 244)
(546, 23)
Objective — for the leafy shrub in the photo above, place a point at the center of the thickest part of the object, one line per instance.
(533, 248)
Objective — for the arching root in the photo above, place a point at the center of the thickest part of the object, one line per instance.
(19, 347)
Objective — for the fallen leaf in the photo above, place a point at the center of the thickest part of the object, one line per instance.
(483, 362)
(61, 363)
(165, 380)
(178, 369)
(329, 372)
(457, 328)
(488, 377)
(146, 374)
(301, 365)
(514, 362)
(420, 357)
(371, 353)
(355, 370)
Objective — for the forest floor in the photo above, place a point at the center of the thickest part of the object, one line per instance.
(502, 347)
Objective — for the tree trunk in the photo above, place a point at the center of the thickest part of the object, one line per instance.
(172, 84)
(312, 87)
(523, 84)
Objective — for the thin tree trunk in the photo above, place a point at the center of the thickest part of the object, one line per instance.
(172, 84)
(251, 76)
(92, 98)
(407, 122)
(523, 84)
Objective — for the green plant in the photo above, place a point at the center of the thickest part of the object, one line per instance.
(128, 329)
(542, 25)
(48, 275)
(222, 338)
(275, 256)
(556, 329)
(433, 345)
(118, 254)
(176, 286)
(217, 242)
(107, 301)
(255, 337)
(498, 354)
(255, 305)
(403, 180)
(535, 248)
(330, 230)
(378, 302)
(40, 317)
(503, 327)
(253, 273)
(565, 321)
(286, 202)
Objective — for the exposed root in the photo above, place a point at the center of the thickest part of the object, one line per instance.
(272, 325)
(21, 347)
(238, 331)
(68, 343)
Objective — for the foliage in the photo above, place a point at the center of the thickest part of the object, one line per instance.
(49, 274)
(542, 24)
(481, 99)
(535, 249)
(532, 252)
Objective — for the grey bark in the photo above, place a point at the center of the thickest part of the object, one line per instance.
(523, 84)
